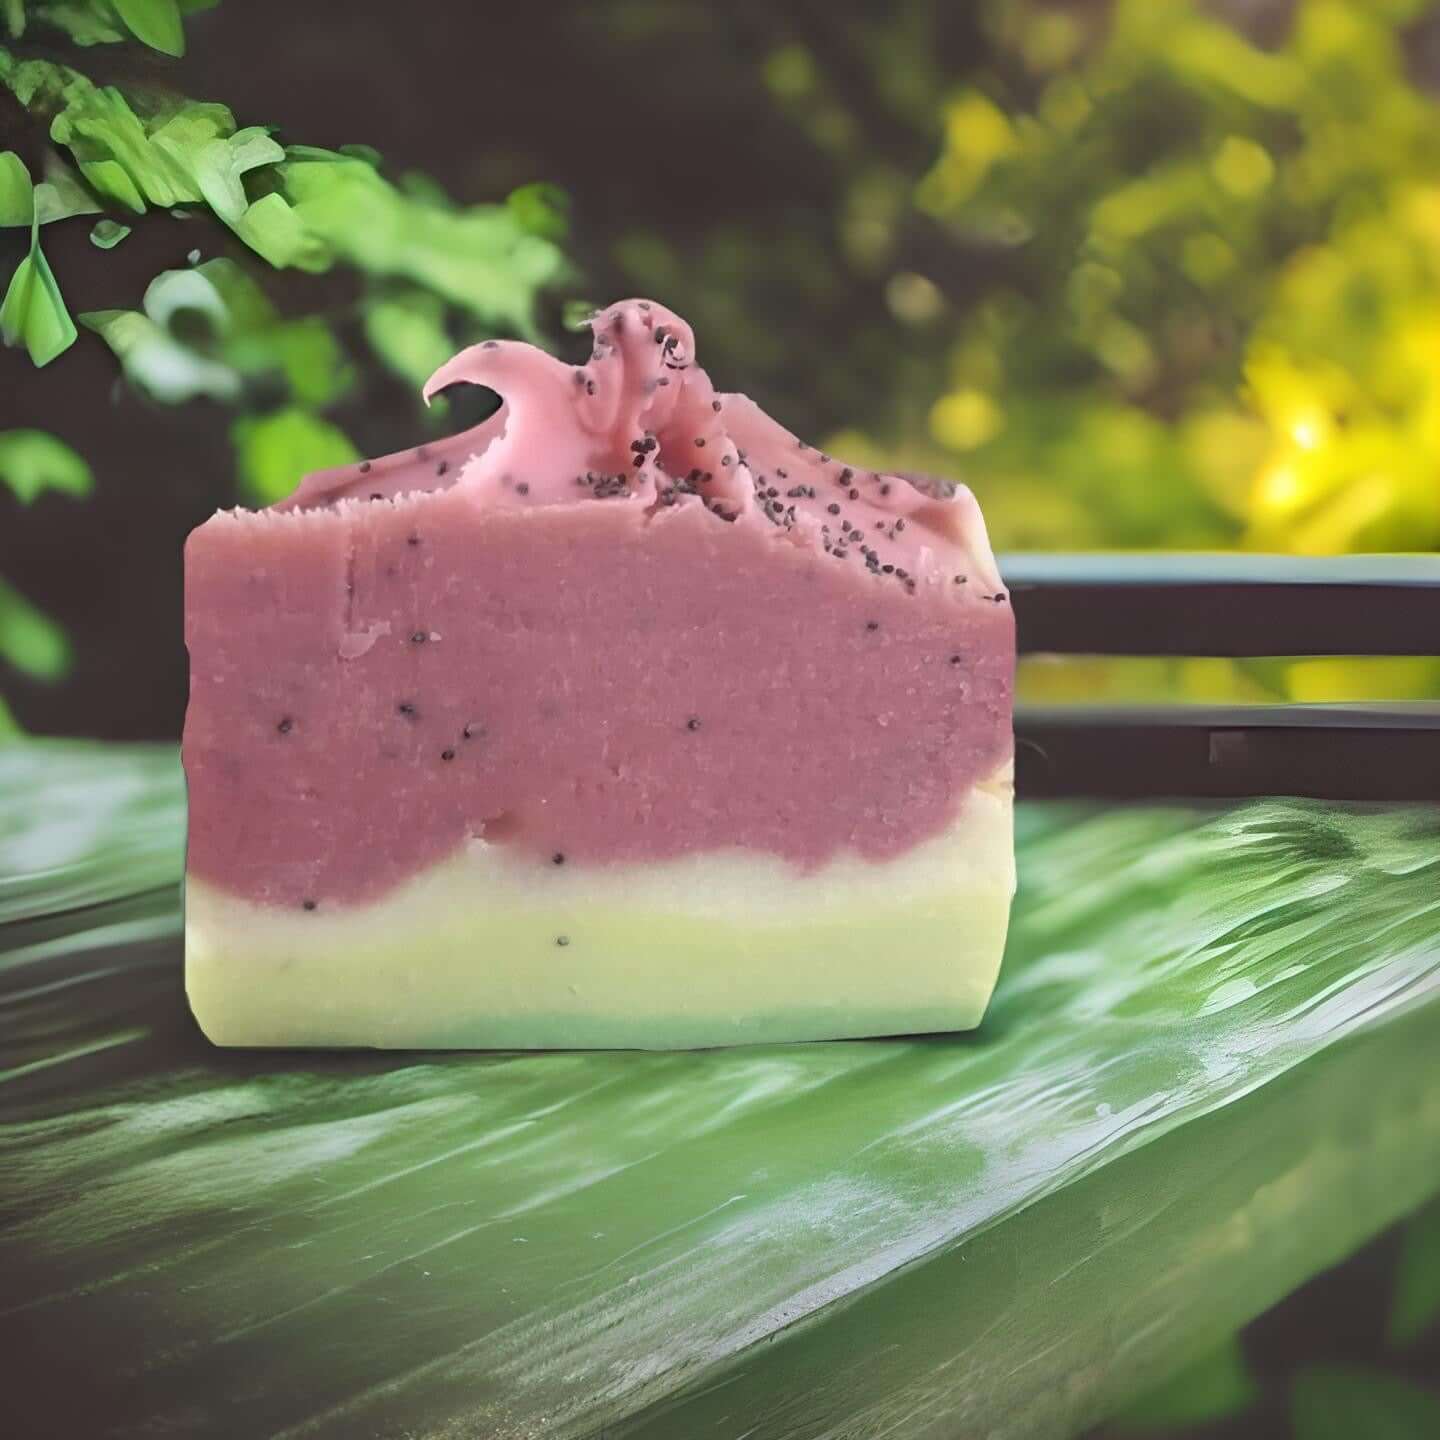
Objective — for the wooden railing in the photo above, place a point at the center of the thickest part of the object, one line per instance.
(1238, 606)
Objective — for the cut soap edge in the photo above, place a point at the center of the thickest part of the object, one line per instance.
(485, 952)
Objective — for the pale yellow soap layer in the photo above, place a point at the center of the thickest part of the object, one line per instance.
(715, 949)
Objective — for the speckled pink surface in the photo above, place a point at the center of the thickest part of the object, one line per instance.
(624, 620)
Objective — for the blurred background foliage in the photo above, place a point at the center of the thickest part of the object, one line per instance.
(1145, 273)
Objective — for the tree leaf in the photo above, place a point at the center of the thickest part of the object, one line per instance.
(407, 332)
(480, 258)
(31, 642)
(272, 229)
(155, 362)
(155, 23)
(274, 451)
(14, 15)
(107, 234)
(1341, 1404)
(1216, 1386)
(1416, 1304)
(17, 195)
(62, 193)
(83, 21)
(32, 461)
(33, 312)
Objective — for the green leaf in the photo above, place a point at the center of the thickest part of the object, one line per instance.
(157, 363)
(107, 234)
(408, 333)
(274, 451)
(32, 462)
(1416, 1305)
(31, 642)
(13, 12)
(155, 23)
(541, 209)
(480, 258)
(1342, 1404)
(272, 229)
(304, 351)
(62, 193)
(33, 312)
(85, 22)
(9, 725)
(17, 195)
(1215, 1387)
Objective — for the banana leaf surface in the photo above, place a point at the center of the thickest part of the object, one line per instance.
(1211, 1069)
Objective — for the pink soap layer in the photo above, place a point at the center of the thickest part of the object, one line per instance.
(578, 633)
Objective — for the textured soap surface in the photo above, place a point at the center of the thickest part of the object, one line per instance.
(627, 717)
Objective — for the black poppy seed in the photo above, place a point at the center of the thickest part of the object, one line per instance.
(888, 569)
(442, 467)
(308, 904)
(700, 442)
(589, 387)
(406, 708)
(841, 552)
(579, 377)
(885, 489)
(846, 474)
(636, 446)
(492, 345)
(364, 467)
(418, 638)
(810, 491)
(783, 474)
(845, 526)
(693, 723)
(662, 381)
(286, 725)
(376, 495)
(824, 458)
(957, 659)
(833, 509)
(960, 579)
(447, 754)
(562, 940)
(854, 494)
(900, 524)
(872, 624)
(901, 574)
(724, 459)
(468, 732)
(998, 599)
(660, 334)
(558, 858)
(644, 304)
(639, 461)
(715, 406)
(772, 492)
(413, 540)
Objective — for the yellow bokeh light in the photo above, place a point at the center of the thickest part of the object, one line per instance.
(1242, 167)
(965, 419)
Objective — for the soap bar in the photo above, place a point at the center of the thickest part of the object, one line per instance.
(624, 719)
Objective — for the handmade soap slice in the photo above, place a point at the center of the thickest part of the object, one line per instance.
(623, 719)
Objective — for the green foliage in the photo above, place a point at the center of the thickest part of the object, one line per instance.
(1416, 1306)
(107, 234)
(275, 450)
(1215, 1387)
(1344, 1404)
(30, 641)
(1222, 284)
(32, 313)
(156, 23)
(407, 332)
(32, 462)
